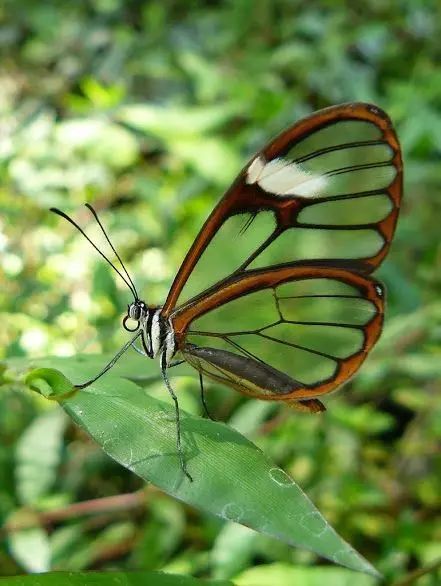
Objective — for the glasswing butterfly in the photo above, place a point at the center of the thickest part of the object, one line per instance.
(274, 297)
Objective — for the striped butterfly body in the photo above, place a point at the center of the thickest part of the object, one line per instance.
(275, 297)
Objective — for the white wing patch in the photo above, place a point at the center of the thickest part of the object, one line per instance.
(282, 177)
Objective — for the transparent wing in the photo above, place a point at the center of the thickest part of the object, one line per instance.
(292, 333)
(326, 192)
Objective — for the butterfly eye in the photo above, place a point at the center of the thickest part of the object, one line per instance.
(136, 311)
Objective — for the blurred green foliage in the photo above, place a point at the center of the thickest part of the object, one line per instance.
(148, 110)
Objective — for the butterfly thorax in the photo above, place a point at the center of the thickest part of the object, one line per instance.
(157, 336)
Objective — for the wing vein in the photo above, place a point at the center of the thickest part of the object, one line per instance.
(244, 352)
(300, 347)
(330, 149)
(368, 225)
(351, 168)
(355, 195)
(324, 296)
(323, 323)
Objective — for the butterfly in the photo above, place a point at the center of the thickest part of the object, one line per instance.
(275, 297)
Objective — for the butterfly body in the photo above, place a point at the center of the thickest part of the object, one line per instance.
(156, 331)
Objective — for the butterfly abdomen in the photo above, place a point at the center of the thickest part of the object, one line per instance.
(240, 370)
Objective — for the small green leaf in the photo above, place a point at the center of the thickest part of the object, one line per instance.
(233, 550)
(30, 547)
(219, 162)
(183, 120)
(50, 383)
(286, 574)
(232, 477)
(363, 418)
(37, 455)
(99, 140)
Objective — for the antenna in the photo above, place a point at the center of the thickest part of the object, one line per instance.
(129, 283)
(88, 206)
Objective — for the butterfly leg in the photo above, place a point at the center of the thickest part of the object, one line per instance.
(177, 363)
(139, 350)
(111, 363)
(204, 403)
(178, 418)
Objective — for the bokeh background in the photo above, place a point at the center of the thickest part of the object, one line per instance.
(148, 110)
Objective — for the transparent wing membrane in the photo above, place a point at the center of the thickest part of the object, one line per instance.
(367, 209)
(355, 132)
(286, 339)
(303, 244)
(238, 238)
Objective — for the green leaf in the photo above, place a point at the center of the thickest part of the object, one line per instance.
(30, 547)
(232, 477)
(50, 383)
(285, 574)
(174, 120)
(161, 534)
(219, 163)
(362, 418)
(103, 141)
(232, 550)
(109, 579)
(37, 456)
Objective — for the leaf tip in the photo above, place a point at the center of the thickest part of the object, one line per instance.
(50, 383)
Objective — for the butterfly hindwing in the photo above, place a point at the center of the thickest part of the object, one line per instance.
(290, 333)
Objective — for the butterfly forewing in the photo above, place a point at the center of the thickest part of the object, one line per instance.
(326, 189)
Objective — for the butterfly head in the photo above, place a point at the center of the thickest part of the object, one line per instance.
(137, 311)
